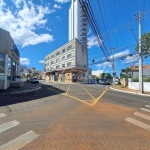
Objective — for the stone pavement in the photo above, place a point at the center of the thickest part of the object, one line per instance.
(27, 87)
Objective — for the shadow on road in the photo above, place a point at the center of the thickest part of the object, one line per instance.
(24, 97)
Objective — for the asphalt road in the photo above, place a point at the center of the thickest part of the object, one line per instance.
(74, 117)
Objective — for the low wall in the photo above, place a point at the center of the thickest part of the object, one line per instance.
(135, 86)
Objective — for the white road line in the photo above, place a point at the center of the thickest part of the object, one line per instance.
(8, 125)
(147, 110)
(2, 115)
(20, 141)
(138, 123)
(147, 105)
(142, 115)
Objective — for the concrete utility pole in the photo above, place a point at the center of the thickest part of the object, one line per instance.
(140, 55)
(113, 67)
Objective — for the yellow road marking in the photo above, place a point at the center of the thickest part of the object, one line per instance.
(71, 97)
(98, 98)
(88, 92)
(68, 90)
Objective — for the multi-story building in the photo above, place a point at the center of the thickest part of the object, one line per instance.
(78, 22)
(9, 59)
(68, 63)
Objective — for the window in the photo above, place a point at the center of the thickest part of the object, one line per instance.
(57, 53)
(9, 69)
(63, 65)
(52, 56)
(69, 47)
(57, 67)
(57, 60)
(69, 64)
(52, 62)
(63, 58)
(63, 50)
(51, 68)
(68, 56)
(2, 66)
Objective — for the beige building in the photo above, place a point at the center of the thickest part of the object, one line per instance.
(9, 59)
(68, 63)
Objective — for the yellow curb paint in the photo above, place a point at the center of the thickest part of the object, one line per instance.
(68, 90)
(71, 97)
(88, 92)
(97, 99)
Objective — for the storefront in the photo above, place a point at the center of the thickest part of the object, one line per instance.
(9, 59)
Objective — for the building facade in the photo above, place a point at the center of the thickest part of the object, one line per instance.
(9, 59)
(68, 63)
(78, 22)
(134, 72)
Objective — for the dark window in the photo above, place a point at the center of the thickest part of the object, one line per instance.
(68, 56)
(57, 67)
(63, 65)
(57, 60)
(52, 62)
(69, 64)
(63, 58)
(63, 50)
(57, 53)
(69, 47)
(52, 56)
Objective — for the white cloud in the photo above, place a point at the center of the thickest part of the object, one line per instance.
(121, 54)
(92, 41)
(24, 61)
(23, 23)
(62, 1)
(104, 64)
(57, 6)
(48, 29)
(41, 61)
(97, 72)
(131, 59)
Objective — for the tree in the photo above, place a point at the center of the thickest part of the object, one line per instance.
(145, 41)
(22, 69)
(105, 76)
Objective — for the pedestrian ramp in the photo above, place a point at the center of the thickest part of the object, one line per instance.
(17, 142)
(143, 120)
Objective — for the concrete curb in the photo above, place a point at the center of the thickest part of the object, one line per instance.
(130, 92)
(26, 91)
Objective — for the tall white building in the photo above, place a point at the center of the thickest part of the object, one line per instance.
(78, 22)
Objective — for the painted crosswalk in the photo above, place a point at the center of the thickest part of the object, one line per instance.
(17, 142)
(143, 115)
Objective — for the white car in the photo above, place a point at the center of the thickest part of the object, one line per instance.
(34, 80)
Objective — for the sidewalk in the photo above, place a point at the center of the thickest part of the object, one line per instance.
(28, 87)
(127, 90)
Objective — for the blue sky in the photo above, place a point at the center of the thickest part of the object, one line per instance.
(41, 26)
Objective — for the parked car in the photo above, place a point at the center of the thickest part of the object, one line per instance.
(34, 80)
(104, 81)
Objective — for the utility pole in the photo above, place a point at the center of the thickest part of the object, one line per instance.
(140, 55)
(113, 67)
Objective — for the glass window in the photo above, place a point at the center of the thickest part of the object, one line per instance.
(63, 50)
(9, 69)
(69, 64)
(2, 66)
(52, 56)
(68, 56)
(69, 47)
(51, 68)
(13, 70)
(63, 58)
(57, 67)
(57, 53)
(57, 60)
(63, 65)
(52, 62)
